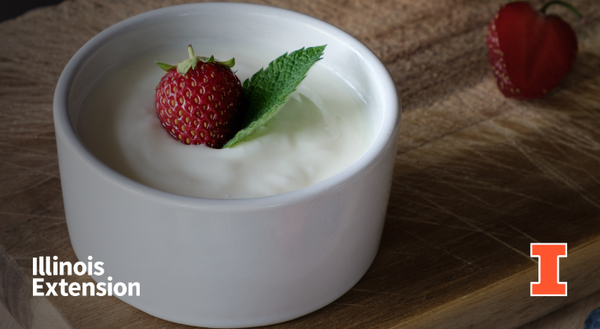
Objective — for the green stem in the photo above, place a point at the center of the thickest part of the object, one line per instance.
(191, 51)
(562, 3)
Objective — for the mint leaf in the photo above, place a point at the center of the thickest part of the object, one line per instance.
(268, 89)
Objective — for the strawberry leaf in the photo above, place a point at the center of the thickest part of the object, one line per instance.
(185, 65)
(268, 89)
(229, 64)
(190, 63)
(165, 66)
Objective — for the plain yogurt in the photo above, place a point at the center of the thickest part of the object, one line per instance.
(322, 129)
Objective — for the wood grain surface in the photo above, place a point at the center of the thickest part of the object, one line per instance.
(477, 178)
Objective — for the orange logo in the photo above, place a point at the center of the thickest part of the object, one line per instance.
(548, 255)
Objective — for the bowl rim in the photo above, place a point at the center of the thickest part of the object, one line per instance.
(384, 135)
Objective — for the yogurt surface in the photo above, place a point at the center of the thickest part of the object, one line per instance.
(323, 128)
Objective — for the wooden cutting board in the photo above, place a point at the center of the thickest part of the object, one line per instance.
(477, 177)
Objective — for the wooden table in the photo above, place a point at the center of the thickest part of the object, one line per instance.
(477, 179)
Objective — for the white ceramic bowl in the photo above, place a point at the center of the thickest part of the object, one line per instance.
(227, 263)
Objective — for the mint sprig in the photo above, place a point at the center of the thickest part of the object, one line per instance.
(268, 89)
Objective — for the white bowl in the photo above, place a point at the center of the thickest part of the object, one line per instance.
(227, 263)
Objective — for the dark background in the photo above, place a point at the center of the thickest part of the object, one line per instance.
(13, 8)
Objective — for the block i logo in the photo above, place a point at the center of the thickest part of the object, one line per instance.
(548, 255)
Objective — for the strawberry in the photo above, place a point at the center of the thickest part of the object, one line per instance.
(198, 101)
(530, 51)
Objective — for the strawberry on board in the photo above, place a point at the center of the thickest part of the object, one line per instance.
(198, 100)
(529, 50)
